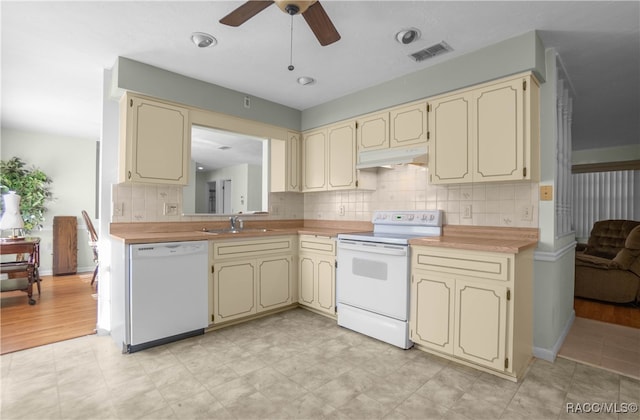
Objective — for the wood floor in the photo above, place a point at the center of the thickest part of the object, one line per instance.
(626, 315)
(66, 309)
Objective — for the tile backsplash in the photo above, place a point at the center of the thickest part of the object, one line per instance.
(400, 188)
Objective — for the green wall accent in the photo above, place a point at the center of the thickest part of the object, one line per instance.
(162, 84)
(514, 55)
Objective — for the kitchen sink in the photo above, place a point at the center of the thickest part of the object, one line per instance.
(247, 230)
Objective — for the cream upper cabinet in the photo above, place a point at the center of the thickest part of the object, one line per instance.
(341, 156)
(408, 125)
(373, 132)
(474, 307)
(285, 163)
(293, 162)
(316, 275)
(486, 133)
(402, 126)
(450, 155)
(250, 276)
(314, 160)
(155, 141)
(329, 160)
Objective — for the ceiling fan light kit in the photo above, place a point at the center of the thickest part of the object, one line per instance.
(306, 80)
(407, 36)
(203, 40)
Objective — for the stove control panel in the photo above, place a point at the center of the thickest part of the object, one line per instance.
(417, 217)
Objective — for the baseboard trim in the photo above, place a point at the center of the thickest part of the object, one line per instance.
(554, 255)
(551, 354)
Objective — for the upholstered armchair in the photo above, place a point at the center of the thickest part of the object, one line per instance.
(609, 268)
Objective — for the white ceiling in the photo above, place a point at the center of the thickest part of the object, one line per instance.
(54, 53)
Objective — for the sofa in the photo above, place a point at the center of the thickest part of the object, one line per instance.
(608, 267)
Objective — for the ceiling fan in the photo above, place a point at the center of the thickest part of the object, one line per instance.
(311, 10)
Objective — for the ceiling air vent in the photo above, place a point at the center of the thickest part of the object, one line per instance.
(431, 51)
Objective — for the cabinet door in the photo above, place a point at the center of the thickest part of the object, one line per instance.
(481, 323)
(373, 132)
(325, 284)
(450, 146)
(274, 282)
(233, 290)
(314, 160)
(341, 154)
(306, 288)
(499, 132)
(158, 142)
(293, 161)
(408, 125)
(432, 303)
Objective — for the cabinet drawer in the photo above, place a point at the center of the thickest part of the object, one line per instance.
(249, 248)
(475, 264)
(317, 244)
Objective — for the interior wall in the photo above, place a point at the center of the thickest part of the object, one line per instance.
(71, 164)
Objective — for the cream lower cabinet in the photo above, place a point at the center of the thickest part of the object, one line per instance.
(317, 274)
(251, 276)
(474, 307)
(489, 132)
(155, 141)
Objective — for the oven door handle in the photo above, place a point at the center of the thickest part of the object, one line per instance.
(373, 248)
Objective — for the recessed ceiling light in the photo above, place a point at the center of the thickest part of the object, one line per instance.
(407, 36)
(203, 40)
(306, 80)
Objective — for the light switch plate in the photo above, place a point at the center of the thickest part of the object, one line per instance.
(546, 192)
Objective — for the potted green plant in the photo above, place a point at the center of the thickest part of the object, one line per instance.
(33, 186)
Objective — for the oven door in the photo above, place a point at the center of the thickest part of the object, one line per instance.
(374, 277)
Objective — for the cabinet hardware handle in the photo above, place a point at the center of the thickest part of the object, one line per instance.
(129, 174)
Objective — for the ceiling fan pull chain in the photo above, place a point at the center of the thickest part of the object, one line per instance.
(291, 48)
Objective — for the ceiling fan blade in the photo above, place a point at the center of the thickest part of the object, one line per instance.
(320, 24)
(245, 12)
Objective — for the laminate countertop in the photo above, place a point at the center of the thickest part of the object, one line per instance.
(140, 233)
(483, 238)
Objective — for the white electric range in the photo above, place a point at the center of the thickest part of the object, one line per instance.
(372, 278)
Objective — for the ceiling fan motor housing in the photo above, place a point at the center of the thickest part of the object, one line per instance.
(294, 7)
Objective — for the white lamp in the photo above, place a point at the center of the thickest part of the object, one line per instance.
(11, 218)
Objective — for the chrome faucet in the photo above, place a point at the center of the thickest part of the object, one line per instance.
(235, 221)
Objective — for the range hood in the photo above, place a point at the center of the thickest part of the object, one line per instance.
(386, 157)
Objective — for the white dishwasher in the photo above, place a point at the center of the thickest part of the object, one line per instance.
(167, 293)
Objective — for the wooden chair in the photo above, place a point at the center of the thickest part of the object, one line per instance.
(93, 243)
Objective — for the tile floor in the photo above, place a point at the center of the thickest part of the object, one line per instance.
(294, 364)
(612, 347)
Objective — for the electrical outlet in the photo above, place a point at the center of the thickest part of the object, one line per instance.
(275, 210)
(170, 209)
(341, 210)
(466, 211)
(247, 102)
(546, 192)
(526, 213)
